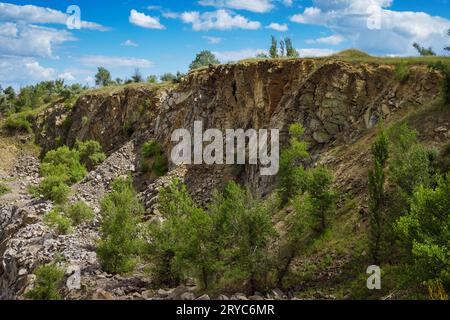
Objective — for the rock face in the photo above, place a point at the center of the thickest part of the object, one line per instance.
(336, 102)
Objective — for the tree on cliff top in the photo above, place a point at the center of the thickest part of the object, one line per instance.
(203, 59)
(103, 77)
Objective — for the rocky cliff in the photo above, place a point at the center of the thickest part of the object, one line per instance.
(338, 103)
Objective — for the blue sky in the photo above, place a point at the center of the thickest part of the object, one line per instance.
(159, 36)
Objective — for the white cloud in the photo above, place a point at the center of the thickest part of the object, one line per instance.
(313, 52)
(145, 21)
(333, 40)
(212, 40)
(225, 56)
(260, 6)
(68, 76)
(220, 20)
(129, 43)
(114, 62)
(372, 27)
(288, 3)
(278, 27)
(17, 71)
(30, 40)
(40, 15)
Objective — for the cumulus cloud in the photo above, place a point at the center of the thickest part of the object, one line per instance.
(314, 52)
(145, 21)
(17, 71)
(371, 26)
(333, 40)
(129, 43)
(260, 6)
(30, 40)
(68, 76)
(225, 56)
(114, 61)
(219, 20)
(40, 15)
(212, 40)
(278, 27)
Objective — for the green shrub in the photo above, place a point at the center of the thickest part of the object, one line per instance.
(79, 212)
(56, 220)
(120, 243)
(18, 123)
(63, 162)
(401, 72)
(160, 165)
(3, 189)
(426, 230)
(53, 188)
(49, 279)
(151, 148)
(291, 176)
(91, 154)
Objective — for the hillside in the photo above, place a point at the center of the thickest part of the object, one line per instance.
(342, 102)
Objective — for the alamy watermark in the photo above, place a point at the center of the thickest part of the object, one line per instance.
(215, 147)
(74, 17)
(374, 280)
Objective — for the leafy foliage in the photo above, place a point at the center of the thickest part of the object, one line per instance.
(154, 159)
(49, 279)
(203, 59)
(424, 51)
(3, 189)
(55, 219)
(53, 188)
(121, 213)
(103, 77)
(91, 153)
(292, 176)
(63, 162)
(79, 212)
(426, 229)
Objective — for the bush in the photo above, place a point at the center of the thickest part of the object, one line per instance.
(227, 244)
(426, 230)
(63, 162)
(18, 123)
(56, 220)
(3, 189)
(53, 188)
(49, 279)
(79, 212)
(91, 154)
(154, 161)
(120, 243)
(291, 176)
(151, 148)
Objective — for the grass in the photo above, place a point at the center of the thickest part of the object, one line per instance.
(3, 189)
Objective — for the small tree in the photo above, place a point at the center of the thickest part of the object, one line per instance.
(424, 51)
(292, 175)
(91, 153)
(103, 77)
(49, 279)
(152, 79)
(291, 52)
(273, 51)
(426, 230)
(121, 212)
(377, 180)
(203, 59)
(137, 76)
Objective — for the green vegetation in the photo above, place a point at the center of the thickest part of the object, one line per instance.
(121, 213)
(79, 212)
(49, 279)
(91, 154)
(3, 189)
(426, 230)
(63, 167)
(377, 201)
(18, 123)
(424, 51)
(154, 160)
(103, 77)
(287, 49)
(203, 59)
(57, 220)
